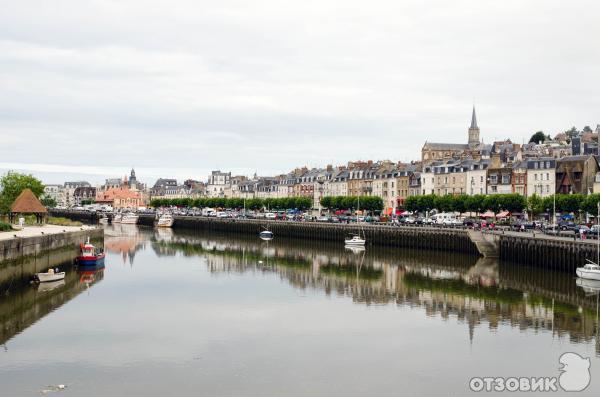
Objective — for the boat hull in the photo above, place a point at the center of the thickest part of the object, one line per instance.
(48, 277)
(266, 236)
(90, 260)
(587, 274)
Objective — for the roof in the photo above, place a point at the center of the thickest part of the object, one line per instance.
(27, 203)
(445, 146)
(474, 119)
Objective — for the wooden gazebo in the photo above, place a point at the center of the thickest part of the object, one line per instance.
(27, 204)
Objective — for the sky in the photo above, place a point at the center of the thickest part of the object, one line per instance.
(89, 89)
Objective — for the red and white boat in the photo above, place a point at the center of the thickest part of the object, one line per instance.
(89, 255)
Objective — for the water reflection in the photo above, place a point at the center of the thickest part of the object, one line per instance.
(24, 305)
(475, 291)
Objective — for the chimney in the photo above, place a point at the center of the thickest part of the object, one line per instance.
(495, 161)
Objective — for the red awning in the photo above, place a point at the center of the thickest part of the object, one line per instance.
(503, 214)
(488, 214)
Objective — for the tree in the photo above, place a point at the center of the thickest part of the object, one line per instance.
(12, 184)
(48, 202)
(590, 204)
(475, 203)
(538, 137)
(572, 132)
(512, 202)
(326, 202)
(535, 205)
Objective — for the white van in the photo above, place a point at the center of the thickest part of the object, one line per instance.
(208, 211)
(445, 218)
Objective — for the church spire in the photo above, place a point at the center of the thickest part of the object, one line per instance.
(474, 119)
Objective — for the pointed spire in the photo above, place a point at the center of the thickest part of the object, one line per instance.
(474, 119)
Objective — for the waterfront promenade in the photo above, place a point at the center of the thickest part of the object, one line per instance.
(32, 231)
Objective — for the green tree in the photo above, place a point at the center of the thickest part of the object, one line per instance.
(12, 184)
(326, 202)
(535, 205)
(475, 203)
(48, 202)
(590, 204)
(538, 137)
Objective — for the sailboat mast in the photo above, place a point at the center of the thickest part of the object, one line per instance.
(598, 235)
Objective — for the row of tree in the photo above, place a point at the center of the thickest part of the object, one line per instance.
(565, 203)
(299, 203)
(369, 203)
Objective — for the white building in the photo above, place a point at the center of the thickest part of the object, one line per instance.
(218, 184)
(541, 176)
(57, 193)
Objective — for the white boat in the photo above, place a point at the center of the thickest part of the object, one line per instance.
(355, 241)
(129, 218)
(50, 275)
(116, 218)
(165, 220)
(590, 271)
(266, 235)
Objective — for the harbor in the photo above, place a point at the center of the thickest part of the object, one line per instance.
(252, 301)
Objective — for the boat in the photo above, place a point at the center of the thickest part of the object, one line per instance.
(50, 275)
(590, 271)
(89, 255)
(356, 240)
(355, 249)
(129, 218)
(116, 218)
(165, 220)
(266, 235)
(103, 220)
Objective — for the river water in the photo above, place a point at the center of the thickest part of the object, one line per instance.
(180, 313)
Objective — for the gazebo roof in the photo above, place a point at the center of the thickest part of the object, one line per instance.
(27, 203)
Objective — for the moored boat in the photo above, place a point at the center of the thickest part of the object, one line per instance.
(165, 220)
(266, 235)
(50, 275)
(116, 218)
(590, 271)
(129, 218)
(354, 240)
(89, 255)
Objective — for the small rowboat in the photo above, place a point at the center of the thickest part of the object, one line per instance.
(50, 275)
(89, 256)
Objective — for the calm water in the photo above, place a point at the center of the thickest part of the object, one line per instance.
(180, 314)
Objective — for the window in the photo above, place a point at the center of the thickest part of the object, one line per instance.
(547, 176)
(494, 179)
(481, 179)
(536, 178)
(505, 178)
(494, 189)
(547, 164)
(535, 165)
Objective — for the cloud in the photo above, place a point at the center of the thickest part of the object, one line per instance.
(268, 86)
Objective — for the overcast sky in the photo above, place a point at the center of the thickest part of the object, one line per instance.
(89, 89)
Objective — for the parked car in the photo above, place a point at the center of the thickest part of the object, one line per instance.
(270, 215)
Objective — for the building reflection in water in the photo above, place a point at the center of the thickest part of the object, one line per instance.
(126, 240)
(473, 290)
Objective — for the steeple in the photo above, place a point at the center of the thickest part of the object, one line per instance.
(474, 119)
(473, 132)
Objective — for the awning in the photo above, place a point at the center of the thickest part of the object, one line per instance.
(488, 214)
(503, 214)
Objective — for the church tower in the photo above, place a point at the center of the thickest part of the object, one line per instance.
(473, 132)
